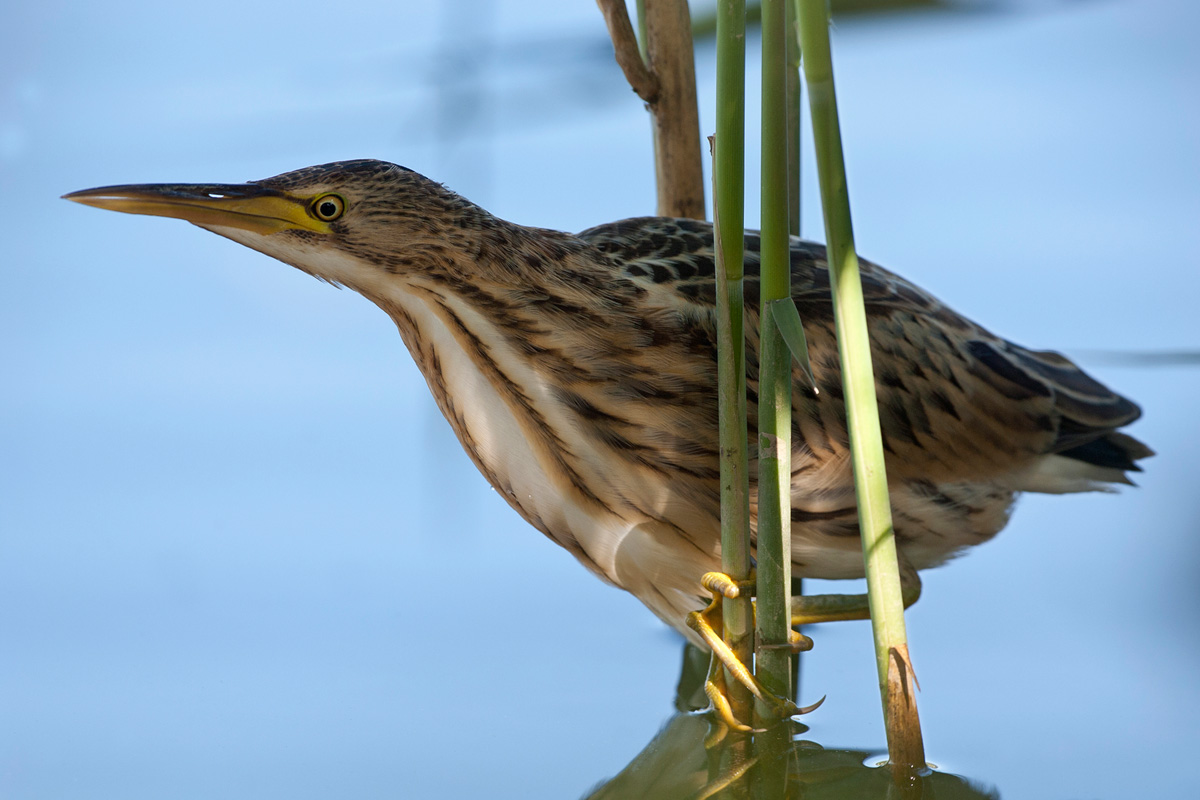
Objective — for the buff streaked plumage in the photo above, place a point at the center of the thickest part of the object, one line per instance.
(579, 371)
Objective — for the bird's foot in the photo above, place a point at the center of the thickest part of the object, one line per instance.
(704, 623)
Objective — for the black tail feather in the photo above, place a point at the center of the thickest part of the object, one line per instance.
(1113, 450)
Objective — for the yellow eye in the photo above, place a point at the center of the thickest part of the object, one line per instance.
(328, 207)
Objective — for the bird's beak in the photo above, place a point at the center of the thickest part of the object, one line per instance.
(246, 206)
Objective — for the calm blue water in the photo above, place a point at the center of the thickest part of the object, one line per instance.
(241, 554)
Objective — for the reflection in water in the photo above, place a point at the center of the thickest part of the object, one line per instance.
(689, 758)
(696, 757)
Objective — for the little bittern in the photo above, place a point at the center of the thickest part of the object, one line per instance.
(579, 373)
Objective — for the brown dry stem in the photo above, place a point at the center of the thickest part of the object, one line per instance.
(625, 47)
(668, 85)
(905, 747)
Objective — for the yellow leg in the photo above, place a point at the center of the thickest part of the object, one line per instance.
(811, 609)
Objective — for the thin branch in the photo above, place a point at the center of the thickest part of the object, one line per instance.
(625, 47)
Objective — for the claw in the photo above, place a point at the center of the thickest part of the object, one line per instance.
(812, 708)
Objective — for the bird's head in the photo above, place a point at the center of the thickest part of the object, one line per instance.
(355, 223)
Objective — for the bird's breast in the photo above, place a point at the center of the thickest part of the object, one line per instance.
(510, 422)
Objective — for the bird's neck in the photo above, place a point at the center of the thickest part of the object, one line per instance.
(478, 250)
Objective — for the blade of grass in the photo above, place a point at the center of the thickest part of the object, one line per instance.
(787, 318)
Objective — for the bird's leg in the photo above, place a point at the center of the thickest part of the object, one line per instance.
(811, 609)
(704, 623)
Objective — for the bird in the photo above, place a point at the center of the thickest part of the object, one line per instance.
(578, 371)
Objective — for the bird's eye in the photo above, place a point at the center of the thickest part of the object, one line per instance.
(328, 207)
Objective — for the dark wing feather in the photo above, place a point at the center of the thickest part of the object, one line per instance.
(955, 400)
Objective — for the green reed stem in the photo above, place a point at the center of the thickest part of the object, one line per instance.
(795, 86)
(775, 374)
(866, 442)
(794, 105)
(729, 215)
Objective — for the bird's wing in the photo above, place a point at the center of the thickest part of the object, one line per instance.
(953, 395)
(955, 401)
